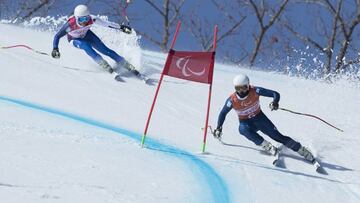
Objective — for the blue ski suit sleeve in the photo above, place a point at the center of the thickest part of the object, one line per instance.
(62, 32)
(224, 111)
(268, 93)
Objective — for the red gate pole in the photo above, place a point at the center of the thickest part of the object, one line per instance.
(215, 37)
(158, 88)
(210, 88)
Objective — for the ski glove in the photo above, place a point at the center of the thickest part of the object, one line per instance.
(274, 106)
(217, 133)
(55, 53)
(126, 29)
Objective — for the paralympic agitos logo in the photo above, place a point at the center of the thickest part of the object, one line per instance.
(186, 68)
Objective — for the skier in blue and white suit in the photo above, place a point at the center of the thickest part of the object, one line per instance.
(245, 101)
(78, 32)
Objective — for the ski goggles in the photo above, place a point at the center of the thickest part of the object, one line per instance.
(242, 88)
(83, 19)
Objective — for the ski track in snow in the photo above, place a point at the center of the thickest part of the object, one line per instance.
(217, 186)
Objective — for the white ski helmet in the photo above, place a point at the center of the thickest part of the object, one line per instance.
(81, 10)
(241, 80)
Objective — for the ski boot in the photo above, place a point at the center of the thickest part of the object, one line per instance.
(269, 148)
(303, 151)
(103, 64)
(128, 67)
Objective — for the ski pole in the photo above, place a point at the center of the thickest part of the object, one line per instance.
(213, 133)
(305, 114)
(27, 47)
(210, 128)
(46, 54)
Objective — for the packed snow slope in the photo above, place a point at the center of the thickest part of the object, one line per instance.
(73, 135)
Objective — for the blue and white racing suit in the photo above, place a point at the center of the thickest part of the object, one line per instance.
(83, 38)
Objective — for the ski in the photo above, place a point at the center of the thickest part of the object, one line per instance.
(316, 164)
(319, 168)
(119, 78)
(279, 161)
(144, 78)
(278, 158)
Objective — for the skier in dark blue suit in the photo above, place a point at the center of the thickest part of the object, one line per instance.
(245, 101)
(78, 32)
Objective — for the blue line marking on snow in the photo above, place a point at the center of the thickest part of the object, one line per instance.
(217, 188)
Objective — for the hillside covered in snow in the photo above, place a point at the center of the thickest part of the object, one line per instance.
(69, 132)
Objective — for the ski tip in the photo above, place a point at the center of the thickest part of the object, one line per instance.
(321, 170)
(275, 162)
(279, 164)
(119, 78)
(149, 81)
